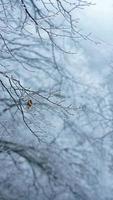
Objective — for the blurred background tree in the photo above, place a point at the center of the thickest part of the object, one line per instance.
(48, 117)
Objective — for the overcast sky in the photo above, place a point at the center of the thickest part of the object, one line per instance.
(98, 20)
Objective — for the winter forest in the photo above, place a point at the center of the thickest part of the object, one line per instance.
(56, 100)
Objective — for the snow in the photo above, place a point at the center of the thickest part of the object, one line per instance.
(66, 151)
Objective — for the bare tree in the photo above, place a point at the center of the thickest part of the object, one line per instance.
(46, 115)
(33, 37)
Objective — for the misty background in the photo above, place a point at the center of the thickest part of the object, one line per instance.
(61, 146)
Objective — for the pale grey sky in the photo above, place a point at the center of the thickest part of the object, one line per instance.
(98, 20)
